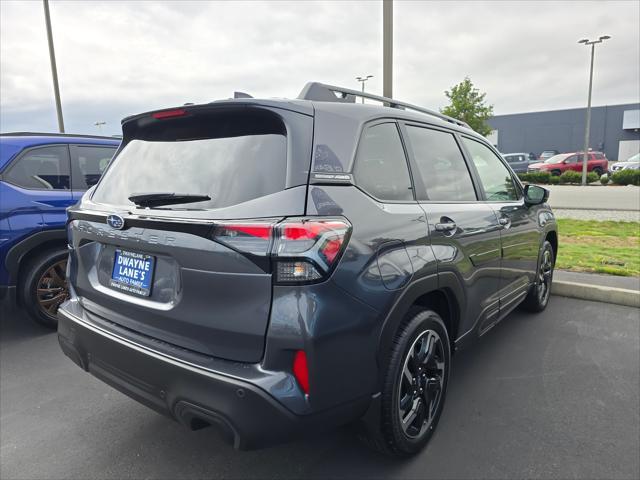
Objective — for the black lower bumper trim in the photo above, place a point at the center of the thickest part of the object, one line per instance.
(195, 397)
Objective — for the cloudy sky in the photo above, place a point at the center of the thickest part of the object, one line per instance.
(118, 58)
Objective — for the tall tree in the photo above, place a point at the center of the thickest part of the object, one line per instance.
(466, 103)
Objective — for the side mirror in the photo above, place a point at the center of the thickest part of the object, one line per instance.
(535, 195)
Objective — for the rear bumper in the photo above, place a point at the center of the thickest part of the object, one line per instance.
(196, 397)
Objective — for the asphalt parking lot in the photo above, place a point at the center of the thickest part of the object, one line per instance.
(548, 396)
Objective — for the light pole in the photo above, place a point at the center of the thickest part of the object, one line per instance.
(54, 70)
(387, 48)
(362, 80)
(587, 127)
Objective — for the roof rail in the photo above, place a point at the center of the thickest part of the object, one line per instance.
(327, 93)
(54, 134)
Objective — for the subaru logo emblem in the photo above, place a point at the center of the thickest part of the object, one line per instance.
(115, 221)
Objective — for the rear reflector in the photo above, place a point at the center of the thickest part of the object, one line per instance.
(179, 112)
(301, 370)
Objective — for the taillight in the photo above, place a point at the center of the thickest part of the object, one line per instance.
(303, 250)
(178, 112)
(301, 370)
(250, 237)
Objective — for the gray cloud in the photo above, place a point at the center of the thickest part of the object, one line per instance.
(118, 58)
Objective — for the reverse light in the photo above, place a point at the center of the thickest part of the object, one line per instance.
(301, 370)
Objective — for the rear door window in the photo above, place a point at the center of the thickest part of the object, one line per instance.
(441, 166)
(88, 162)
(45, 168)
(381, 165)
(232, 158)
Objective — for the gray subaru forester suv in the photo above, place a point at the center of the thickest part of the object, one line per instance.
(274, 267)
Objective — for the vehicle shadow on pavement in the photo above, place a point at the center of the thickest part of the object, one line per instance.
(522, 403)
(16, 326)
(171, 451)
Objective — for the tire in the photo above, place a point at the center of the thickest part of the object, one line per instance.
(556, 173)
(598, 171)
(538, 297)
(44, 286)
(422, 328)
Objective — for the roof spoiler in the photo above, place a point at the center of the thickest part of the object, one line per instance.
(321, 92)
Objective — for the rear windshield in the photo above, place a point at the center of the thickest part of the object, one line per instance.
(237, 161)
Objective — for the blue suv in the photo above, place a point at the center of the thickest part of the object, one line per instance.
(41, 174)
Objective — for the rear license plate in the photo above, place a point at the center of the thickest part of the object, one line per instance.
(132, 272)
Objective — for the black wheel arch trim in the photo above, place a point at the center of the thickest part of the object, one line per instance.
(17, 253)
(448, 285)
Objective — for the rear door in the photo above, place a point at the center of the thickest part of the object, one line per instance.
(40, 181)
(574, 162)
(464, 230)
(196, 275)
(519, 224)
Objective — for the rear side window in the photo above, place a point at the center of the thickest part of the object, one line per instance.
(88, 163)
(494, 175)
(441, 166)
(44, 168)
(232, 158)
(381, 165)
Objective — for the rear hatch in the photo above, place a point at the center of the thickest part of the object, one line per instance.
(192, 271)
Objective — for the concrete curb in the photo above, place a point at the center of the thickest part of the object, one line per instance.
(596, 293)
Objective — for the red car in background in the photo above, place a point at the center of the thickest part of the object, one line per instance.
(556, 165)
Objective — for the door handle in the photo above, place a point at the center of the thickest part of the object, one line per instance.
(446, 227)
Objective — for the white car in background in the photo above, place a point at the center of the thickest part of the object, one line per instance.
(631, 163)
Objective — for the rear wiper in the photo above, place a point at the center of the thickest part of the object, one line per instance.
(165, 198)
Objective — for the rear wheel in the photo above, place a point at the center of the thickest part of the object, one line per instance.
(45, 286)
(415, 385)
(598, 171)
(538, 297)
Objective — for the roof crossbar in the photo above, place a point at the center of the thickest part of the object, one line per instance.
(327, 93)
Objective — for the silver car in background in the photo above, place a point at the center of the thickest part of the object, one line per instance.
(631, 163)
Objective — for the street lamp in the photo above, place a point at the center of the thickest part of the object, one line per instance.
(362, 80)
(585, 153)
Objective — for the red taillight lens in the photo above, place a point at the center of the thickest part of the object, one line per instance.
(254, 237)
(307, 250)
(303, 250)
(178, 112)
(301, 370)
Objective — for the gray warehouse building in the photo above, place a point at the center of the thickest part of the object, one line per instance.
(615, 130)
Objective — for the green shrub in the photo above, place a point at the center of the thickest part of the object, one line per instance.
(626, 177)
(604, 179)
(535, 177)
(571, 176)
(591, 177)
(554, 180)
